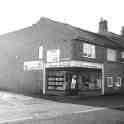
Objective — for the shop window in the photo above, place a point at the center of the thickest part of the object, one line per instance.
(118, 82)
(87, 84)
(111, 55)
(95, 84)
(56, 80)
(109, 81)
(89, 50)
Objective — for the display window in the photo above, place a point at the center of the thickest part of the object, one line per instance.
(90, 81)
(93, 84)
(56, 80)
(72, 80)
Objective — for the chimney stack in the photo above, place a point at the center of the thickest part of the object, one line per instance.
(103, 27)
(122, 31)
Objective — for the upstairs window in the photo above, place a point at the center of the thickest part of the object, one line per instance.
(41, 52)
(53, 55)
(89, 50)
(111, 55)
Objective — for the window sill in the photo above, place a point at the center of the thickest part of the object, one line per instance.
(114, 62)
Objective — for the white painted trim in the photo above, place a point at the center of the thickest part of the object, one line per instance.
(89, 110)
(15, 120)
(44, 78)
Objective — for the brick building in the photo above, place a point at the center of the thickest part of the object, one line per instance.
(74, 59)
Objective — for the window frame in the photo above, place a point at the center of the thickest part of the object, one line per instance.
(89, 50)
(40, 52)
(108, 56)
(122, 55)
(108, 83)
(118, 84)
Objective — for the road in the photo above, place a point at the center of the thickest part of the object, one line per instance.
(19, 109)
(106, 116)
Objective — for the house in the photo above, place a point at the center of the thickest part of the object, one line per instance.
(55, 53)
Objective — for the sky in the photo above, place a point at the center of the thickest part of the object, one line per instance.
(85, 14)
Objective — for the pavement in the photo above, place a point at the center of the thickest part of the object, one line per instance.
(19, 108)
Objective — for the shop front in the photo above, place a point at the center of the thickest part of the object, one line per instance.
(74, 78)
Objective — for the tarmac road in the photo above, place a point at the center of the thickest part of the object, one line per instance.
(19, 109)
(106, 116)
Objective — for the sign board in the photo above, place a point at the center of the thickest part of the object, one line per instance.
(72, 63)
(33, 65)
(53, 55)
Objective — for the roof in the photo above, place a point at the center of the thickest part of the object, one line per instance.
(107, 39)
(47, 29)
(114, 37)
(103, 40)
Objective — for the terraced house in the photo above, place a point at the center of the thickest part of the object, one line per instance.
(57, 58)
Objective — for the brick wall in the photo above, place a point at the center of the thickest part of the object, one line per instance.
(113, 69)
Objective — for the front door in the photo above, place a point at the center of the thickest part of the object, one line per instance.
(74, 84)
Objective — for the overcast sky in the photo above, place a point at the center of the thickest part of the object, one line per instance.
(17, 14)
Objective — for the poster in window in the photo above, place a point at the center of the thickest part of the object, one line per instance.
(53, 55)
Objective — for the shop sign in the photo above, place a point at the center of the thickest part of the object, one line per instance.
(53, 55)
(33, 65)
(75, 64)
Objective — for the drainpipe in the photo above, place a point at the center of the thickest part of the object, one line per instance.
(44, 78)
(103, 79)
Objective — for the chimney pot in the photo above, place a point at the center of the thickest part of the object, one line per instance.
(122, 31)
(103, 27)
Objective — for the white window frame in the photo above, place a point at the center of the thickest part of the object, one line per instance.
(122, 55)
(41, 52)
(110, 53)
(89, 50)
(109, 84)
(118, 83)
